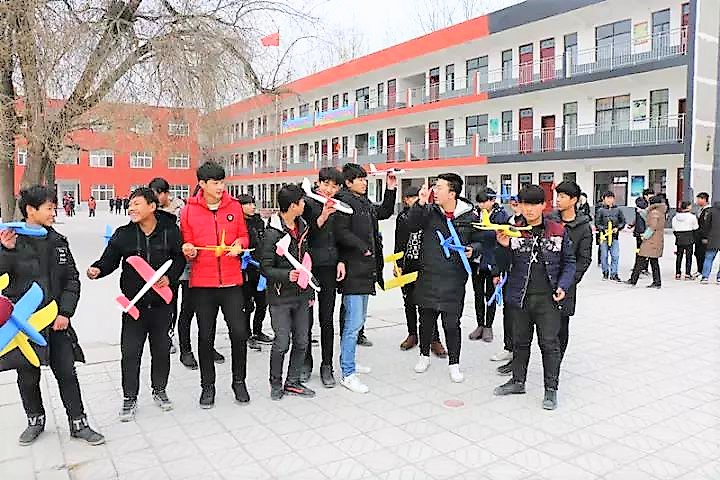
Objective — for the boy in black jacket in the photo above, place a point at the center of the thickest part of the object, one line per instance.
(155, 237)
(289, 303)
(48, 262)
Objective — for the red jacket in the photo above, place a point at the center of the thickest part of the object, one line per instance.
(203, 227)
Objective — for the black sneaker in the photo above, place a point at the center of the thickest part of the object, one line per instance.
(263, 338)
(253, 344)
(363, 341)
(326, 376)
(36, 425)
(161, 400)
(188, 359)
(276, 391)
(241, 394)
(299, 389)
(616, 278)
(207, 397)
(550, 401)
(629, 282)
(80, 430)
(217, 357)
(654, 285)
(605, 276)
(510, 388)
(505, 369)
(127, 413)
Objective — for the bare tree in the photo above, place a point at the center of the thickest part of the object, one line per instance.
(433, 15)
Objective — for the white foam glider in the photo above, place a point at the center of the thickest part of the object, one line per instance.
(337, 204)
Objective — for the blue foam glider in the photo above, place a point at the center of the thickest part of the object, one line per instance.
(21, 228)
(497, 296)
(248, 260)
(452, 242)
(108, 234)
(18, 321)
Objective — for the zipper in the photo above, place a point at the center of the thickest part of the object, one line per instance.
(217, 242)
(527, 278)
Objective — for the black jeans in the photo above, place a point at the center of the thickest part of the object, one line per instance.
(326, 276)
(254, 302)
(289, 322)
(507, 327)
(91, 212)
(173, 308)
(700, 249)
(451, 326)
(641, 265)
(687, 251)
(542, 312)
(412, 312)
(153, 323)
(187, 311)
(207, 301)
(62, 364)
(483, 288)
(564, 334)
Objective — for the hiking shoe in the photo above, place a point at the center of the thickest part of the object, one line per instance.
(455, 374)
(438, 349)
(550, 401)
(363, 341)
(502, 356)
(188, 359)
(276, 392)
(263, 338)
(505, 370)
(80, 430)
(36, 425)
(353, 383)
(487, 335)
(217, 357)
(409, 343)
(326, 376)
(476, 334)
(510, 388)
(253, 344)
(422, 364)
(207, 397)
(127, 413)
(241, 394)
(161, 400)
(299, 389)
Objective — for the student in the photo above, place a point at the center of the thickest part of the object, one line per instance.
(361, 251)
(685, 226)
(112, 205)
(289, 303)
(703, 202)
(583, 206)
(485, 273)
(326, 269)
(216, 282)
(156, 238)
(118, 205)
(440, 289)
(639, 226)
(410, 243)
(541, 271)
(92, 205)
(711, 236)
(651, 248)
(126, 205)
(609, 212)
(48, 262)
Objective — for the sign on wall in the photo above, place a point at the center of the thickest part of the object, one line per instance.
(637, 185)
(640, 33)
(337, 115)
(299, 123)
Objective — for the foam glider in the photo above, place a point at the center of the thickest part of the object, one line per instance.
(108, 234)
(223, 248)
(497, 296)
(374, 172)
(607, 235)
(282, 248)
(22, 228)
(509, 230)
(151, 277)
(248, 260)
(325, 200)
(399, 279)
(452, 243)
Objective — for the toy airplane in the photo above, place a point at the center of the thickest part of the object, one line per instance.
(497, 296)
(374, 172)
(337, 204)
(399, 279)
(222, 248)
(151, 277)
(607, 235)
(452, 242)
(21, 228)
(305, 268)
(248, 260)
(509, 230)
(108, 234)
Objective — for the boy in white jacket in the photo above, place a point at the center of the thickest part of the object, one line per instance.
(684, 225)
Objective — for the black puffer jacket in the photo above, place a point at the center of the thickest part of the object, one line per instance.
(610, 214)
(322, 239)
(441, 283)
(163, 244)
(359, 233)
(712, 226)
(277, 268)
(407, 241)
(581, 236)
(256, 231)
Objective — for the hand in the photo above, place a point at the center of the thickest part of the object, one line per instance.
(391, 181)
(328, 209)
(189, 250)
(367, 253)
(61, 323)
(93, 273)
(468, 252)
(294, 275)
(163, 282)
(704, 241)
(502, 238)
(235, 249)
(340, 272)
(8, 238)
(397, 272)
(559, 295)
(424, 194)
(496, 280)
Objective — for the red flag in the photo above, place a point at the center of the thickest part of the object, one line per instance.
(272, 40)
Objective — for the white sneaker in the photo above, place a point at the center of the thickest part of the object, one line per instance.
(422, 364)
(354, 384)
(364, 369)
(502, 356)
(455, 374)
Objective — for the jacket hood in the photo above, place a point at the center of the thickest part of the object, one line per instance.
(463, 206)
(276, 223)
(580, 219)
(199, 199)
(657, 206)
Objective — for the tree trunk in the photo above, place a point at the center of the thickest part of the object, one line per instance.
(7, 180)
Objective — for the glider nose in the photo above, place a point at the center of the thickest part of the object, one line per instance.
(6, 309)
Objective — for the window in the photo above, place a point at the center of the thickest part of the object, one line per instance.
(507, 64)
(142, 126)
(505, 187)
(449, 132)
(346, 99)
(613, 40)
(657, 180)
(612, 112)
(101, 158)
(303, 150)
(335, 101)
(450, 78)
(344, 146)
(304, 110)
(141, 160)
(616, 182)
(661, 29)
(570, 118)
(69, 156)
(292, 113)
(381, 94)
(571, 50)
(477, 124)
(569, 177)
(362, 97)
(102, 192)
(100, 125)
(507, 124)
(178, 128)
(479, 64)
(180, 191)
(22, 156)
(317, 106)
(659, 108)
(473, 185)
(180, 161)
(324, 104)
(524, 179)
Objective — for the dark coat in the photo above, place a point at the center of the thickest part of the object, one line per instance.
(407, 241)
(702, 231)
(441, 282)
(639, 227)
(488, 243)
(323, 248)
(585, 210)
(256, 231)
(614, 214)
(357, 234)
(581, 236)
(712, 226)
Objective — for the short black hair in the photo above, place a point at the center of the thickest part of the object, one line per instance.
(145, 192)
(455, 182)
(569, 188)
(288, 195)
(159, 185)
(648, 191)
(684, 205)
(331, 174)
(351, 171)
(609, 193)
(532, 194)
(704, 195)
(485, 194)
(210, 171)
(245, 199)
(657, 199)
(583, 194)
(35, 196)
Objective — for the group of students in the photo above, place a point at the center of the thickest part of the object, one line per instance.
(119, 204)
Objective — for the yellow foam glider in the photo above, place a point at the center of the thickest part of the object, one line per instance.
(222, 248)
(607, 235)
(399, 279)
(509, 230)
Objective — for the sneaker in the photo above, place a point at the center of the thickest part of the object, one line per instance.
(276, 392)
(629, 282)
(207, 397)
(422, 364)
(689, 277)
(455, 374)
(263, 338)
(678, 276)
(704, 281)
(161, 400)
(326, 376)
(217, 357)
(654, 285)
(127, 413)
(409, 343)
(605, 276)
(615, 278)
(364, 369)
(299, 389)
(305, 373)
(363, 341)
(241, 394)
(173, 348)
(438, 350)
(487, 335)
(253, 344)
(550, 401)
(476, 334)
(510, 388)
(188, 359)
(502, 356)
(505, 370)
(354, 384)
(80, 430)
(36, 425)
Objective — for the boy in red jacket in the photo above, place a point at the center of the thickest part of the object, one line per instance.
(216, 281)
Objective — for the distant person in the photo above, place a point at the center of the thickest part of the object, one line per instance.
(607, 213)
(703, 202)
(118, 205)
(684, 225)
(711, 236)
(583, 206)
(92, 205)
(652, 245)
(126, 204)
(112, 205)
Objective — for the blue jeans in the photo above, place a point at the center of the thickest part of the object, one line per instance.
(708, 263)
(355, 313)
(614, 257)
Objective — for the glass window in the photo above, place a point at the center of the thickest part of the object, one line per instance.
(524, 179)
(178, 160)
(304, 110)
(505, 187)
(659, 108)
(142, 126)
(479, 64)
(613, 39)
(471, 125)
(569, 177)
(180, 191)
(102, 191)
(292, 113)
(657, 180)
(324, 104)
(507, 64)
(335, 101)
(22, 156)
(473, 185)
(178, 128)
(616, 182)
(661, 29)
(507, 124)
(450, 78)
(381, 94)
(141, 160)
(449, 132)
(101, 158)
(69, 156)
(570, 118)
(346, 100)
(362, 97)
(612, 112)
(344, 146)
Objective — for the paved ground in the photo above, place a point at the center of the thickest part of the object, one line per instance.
(638, 400)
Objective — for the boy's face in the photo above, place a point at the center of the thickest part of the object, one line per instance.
(357, 186)
(249, 209)
(609, 201)
(43, 215)
(442, 192)
(213, 189)
(532, 212)
(297, 208)
(565, 202)
(487, 204)
(515, 206)
(700, 202)
(409, 201)
(140, 210)
(163, 198)
(328, 188)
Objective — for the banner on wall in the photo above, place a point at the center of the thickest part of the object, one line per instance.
(494, 126)
(299, 123)
(637, 185)
(640, 33)
(639, 110)
(336, 115)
